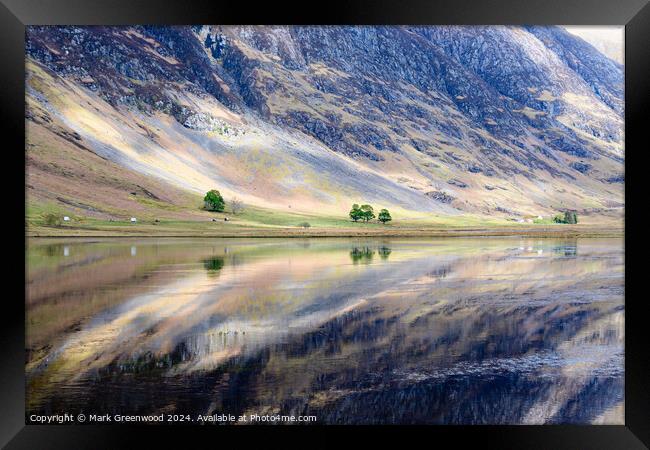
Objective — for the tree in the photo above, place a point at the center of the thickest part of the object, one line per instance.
(570, 217)
(356, 213)
(367, 213)
(384, 216)
(214, 201)
(236, 205)
(52, 220)
(304, 225)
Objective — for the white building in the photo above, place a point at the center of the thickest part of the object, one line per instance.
(133, 220)
(66, 219)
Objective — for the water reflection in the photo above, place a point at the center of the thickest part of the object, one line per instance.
(384, 252)
(569, 251)
(394, 331)
(213, 264)
(362, 255)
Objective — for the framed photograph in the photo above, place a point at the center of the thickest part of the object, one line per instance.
(382, 218)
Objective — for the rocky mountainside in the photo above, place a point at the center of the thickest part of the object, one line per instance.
(448, 120)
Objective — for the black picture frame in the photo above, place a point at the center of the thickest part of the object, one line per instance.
(16, 14)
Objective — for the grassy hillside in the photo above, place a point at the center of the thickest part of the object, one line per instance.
(64, 178)
(100, 197)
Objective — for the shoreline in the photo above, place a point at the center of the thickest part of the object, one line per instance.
(573, 232)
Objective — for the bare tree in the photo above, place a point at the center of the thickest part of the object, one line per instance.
(236, 205)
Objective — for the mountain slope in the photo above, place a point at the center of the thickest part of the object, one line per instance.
(501, 121)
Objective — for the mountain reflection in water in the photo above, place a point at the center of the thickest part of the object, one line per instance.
(440, 331)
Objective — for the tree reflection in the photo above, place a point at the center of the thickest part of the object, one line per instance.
(362, 255)
(213, 264)
(384, 252)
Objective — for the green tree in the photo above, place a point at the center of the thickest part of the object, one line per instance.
(367, 213)
(570, 217)
(384, 216)
(304, 225)
(214, 201)
(52, 220)
(356, 213)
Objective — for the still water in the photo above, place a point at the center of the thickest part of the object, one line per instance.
(351, 331)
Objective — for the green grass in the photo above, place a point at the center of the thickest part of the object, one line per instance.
(547, 221)
(255, 221)
(151, 203)
(267, 217)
